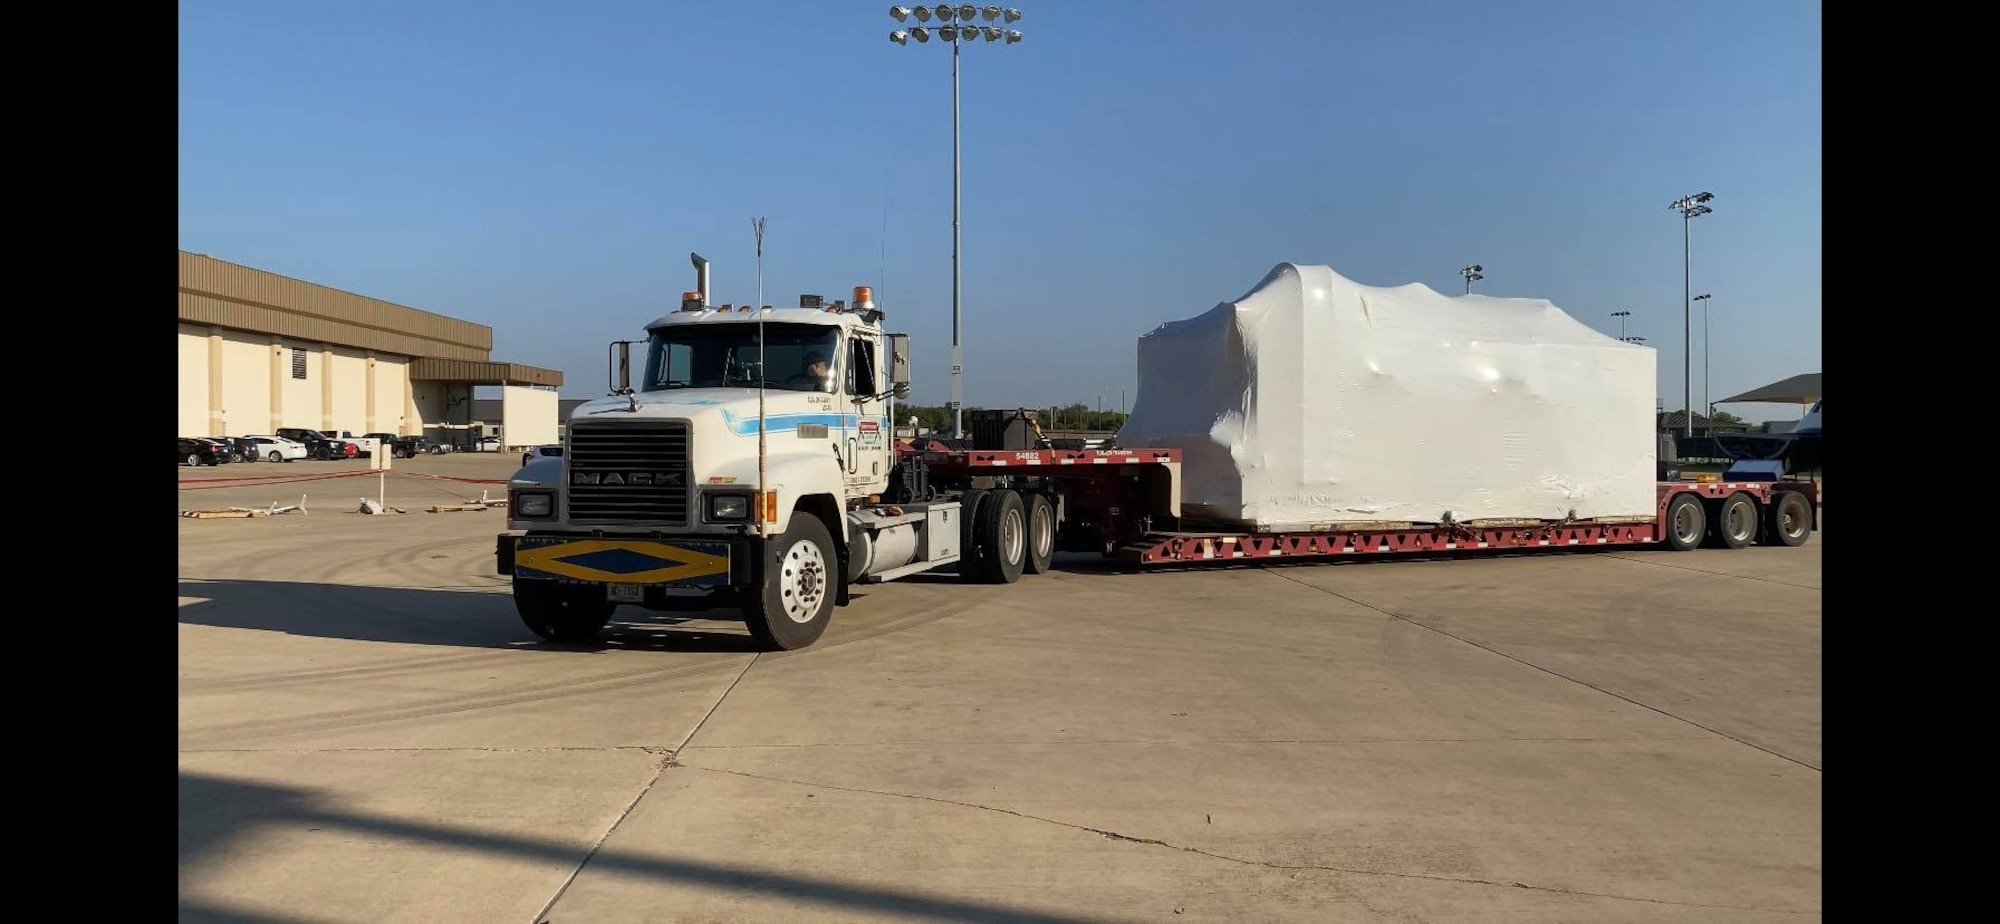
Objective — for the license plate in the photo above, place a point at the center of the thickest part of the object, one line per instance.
(625, 593)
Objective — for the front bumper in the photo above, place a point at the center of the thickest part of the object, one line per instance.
(671, 561)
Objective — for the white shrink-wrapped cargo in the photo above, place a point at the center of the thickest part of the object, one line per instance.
(1314, 401)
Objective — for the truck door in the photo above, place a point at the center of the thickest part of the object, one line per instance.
(867, 449)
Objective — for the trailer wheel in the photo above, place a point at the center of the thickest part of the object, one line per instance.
(1736, 522)
(1003, 538)
(968, 534)
(1789, 519)
(796, 601)
(1041, 534)
(565, 613)
(1687, 522)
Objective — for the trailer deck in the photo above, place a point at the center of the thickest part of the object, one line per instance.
(1119, 495)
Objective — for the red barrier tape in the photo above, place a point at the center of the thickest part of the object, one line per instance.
(201, 483)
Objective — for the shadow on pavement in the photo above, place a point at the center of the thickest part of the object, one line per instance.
(414, 616)
(215, 811)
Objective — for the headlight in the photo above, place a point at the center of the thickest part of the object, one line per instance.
(534, 505)
(728, 507)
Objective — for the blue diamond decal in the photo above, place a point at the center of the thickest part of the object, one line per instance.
(619, 561)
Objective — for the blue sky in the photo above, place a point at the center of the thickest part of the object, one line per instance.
(546, 168)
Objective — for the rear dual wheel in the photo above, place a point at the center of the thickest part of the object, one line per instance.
(1041, 534)
(1736, 522)
(1687, 522)
(1788, 521)
(995, 538)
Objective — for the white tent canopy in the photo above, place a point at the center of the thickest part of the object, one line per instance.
(1314, 400)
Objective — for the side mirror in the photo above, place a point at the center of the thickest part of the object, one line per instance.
(899, 361)
(620, 362)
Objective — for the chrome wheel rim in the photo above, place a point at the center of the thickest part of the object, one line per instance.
(1044, 536)
(1012, 536)
(802, 581)
(1687, 527)
(1741, 521)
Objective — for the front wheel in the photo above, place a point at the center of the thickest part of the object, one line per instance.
(273, 456)
(193, 460)
(566, 613)
(796, 601)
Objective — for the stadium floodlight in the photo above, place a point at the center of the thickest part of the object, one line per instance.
(965, 31)
(1691, 208)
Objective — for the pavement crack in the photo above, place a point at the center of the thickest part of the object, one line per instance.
(667, 761)
(1241, 861)
(1549, 671)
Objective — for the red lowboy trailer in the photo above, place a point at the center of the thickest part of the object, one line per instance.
(1125, 504)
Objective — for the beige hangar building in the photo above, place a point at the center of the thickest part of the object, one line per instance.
(259, 351)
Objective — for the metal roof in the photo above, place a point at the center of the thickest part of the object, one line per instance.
(1799, 389)
(223, 294)
(431, 368)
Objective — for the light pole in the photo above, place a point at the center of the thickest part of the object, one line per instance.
(1621, 316)
(1707, 408)
(1472, 275)
(1690, 207)
(961, 34)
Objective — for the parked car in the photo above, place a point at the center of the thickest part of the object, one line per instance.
(364, 445)
(278, 448)
(541, 452)
(240, 448)
(320, 445)
(223, 451)
(400, 447)
(486, 444)
(317, 444)
(197, 452)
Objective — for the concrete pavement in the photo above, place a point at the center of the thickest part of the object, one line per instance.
(367, 733)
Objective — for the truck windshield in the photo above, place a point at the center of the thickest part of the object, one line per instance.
(799, 357)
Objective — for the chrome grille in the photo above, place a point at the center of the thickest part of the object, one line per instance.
(605, 464)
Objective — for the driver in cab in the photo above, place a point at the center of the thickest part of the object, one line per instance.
(817, 372)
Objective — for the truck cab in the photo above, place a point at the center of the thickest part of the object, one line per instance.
(734, 472)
